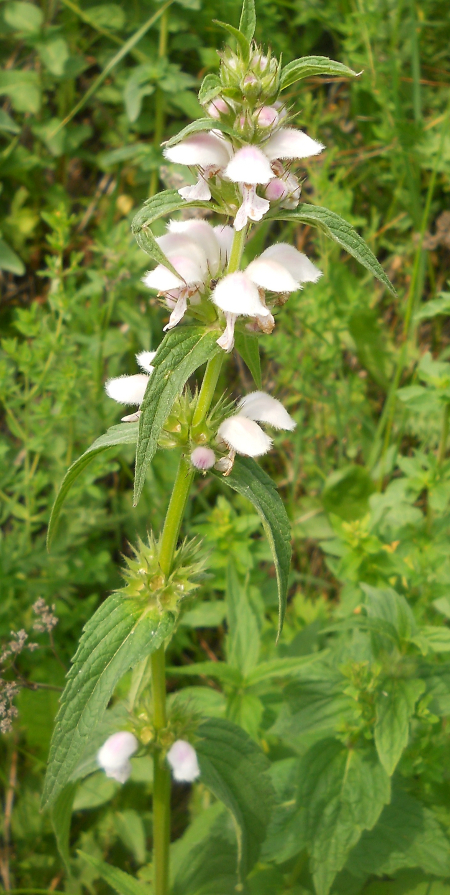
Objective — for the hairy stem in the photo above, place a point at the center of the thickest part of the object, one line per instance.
(169, 537)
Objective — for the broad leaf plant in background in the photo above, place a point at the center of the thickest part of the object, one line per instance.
(310, 754)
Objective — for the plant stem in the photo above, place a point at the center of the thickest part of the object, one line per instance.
(444, 435)
(159, 102)
(168, 543)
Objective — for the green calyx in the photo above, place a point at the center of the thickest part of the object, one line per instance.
(144, 577)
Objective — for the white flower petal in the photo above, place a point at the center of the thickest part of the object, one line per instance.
(201, 149)
(182, 758)
(115, 753)
(144, 359)
(127, 389)
(238, 295)
(249, 165)
(183, 245)
(291, 143)
(198, 192)
(270, 275)
(244, 436)
(299, 266)
(204, 236)
(253, 207)
(225, 236)
(203, 458)
(226, 340)
(162, 279)
(263, 408)
(177, 313)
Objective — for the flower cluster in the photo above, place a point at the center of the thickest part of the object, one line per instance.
(114, 758)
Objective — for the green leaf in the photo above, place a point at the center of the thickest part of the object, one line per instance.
(119, 635)
(370, 345)
(9, 125)
(406, 835)
(210, 88)
(9, 260)
(164, 203)
(220, 670)
(309, 66)
(386, 604)
(61, 816)
(247, 23)
(202, 124)
(343, 233)
(243, 633)
(209, 868)
(179, 355)
(23, 89)
(313, 708)
(435, 307)
(234, 768)
(124, 433)
(346, 492)
(248, 479)
(23, 16)
(394, 708)
(434, 638)
(240, 38)
(121, 882)
(54, 53)
(280, 668)
(342, 792)
(248, 347)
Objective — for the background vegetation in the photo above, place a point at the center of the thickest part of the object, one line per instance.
(86, 98)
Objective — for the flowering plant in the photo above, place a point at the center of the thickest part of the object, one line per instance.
(244, 154)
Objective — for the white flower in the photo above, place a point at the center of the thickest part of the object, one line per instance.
(203, 458)
(290, 143)
(241, 432)
(197, 252)
(115, 753)
(209, 152)
(182, 758)
(131, 389)
(249, 165)
(280, 269)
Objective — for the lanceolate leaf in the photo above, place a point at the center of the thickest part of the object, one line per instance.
(159, 206)
(248, 479)
(210, 88)
(343, 233)
(247, 22)
(394, 709)
(201, 124)
(118, 636)
(124, 433)
(314, 65)
(238, 35)
(181, 352)
(61, 815)
(121, 882)
(234, 768)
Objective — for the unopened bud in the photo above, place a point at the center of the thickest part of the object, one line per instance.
(267, 116)
(203, 458)
(217, 108)
(182, 758)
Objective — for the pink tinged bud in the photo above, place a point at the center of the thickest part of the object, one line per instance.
(204, 236)
(127, 389)
(261, 407)
(203, 458)
(291, 143)
(249, 165)
(115, 753)
(217, 108)
(267, 116)
(276, 190)
(144, 359)
(244, 436)
(202, 150)
(182, 758)
(253, 208)
(296, 263)
(270, 275)
(238, 295)
(226, 340)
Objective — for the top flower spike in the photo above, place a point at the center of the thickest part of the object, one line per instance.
(246, 108)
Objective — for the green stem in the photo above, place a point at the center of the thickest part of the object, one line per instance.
(168, 543)
(444, 435)
(159, 102)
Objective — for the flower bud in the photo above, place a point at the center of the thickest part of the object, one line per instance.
(182, 758)
(203, 458)
(217, 107)
(251, 86)
(115, 753)
(267, 116)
